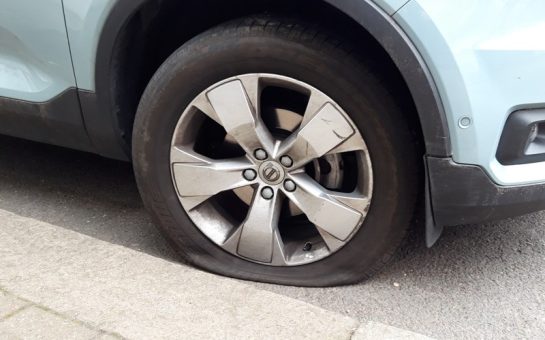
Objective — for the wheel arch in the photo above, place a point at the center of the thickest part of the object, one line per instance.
(412, 67)
(109, 115)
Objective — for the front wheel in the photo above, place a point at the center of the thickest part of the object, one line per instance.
(265, 152)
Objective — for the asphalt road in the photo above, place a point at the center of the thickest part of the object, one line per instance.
(478, 281)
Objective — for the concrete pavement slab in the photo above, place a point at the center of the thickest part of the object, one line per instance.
(9, 304)
(375, 330)
(140, 296)
(36, 323)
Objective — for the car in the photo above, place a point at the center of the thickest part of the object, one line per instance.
(291, 142)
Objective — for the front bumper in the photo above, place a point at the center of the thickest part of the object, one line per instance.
(462, 194)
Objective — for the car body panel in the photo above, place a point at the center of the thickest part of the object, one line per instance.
(488, 60)
(35, 62)
(38, 96)
(84, 22)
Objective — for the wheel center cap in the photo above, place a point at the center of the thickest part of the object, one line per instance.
(271, 172)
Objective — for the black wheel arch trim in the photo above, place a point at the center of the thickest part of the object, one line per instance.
(106, 134)
(411, 66)
(98, 107)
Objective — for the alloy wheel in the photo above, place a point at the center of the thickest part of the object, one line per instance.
(271, 169)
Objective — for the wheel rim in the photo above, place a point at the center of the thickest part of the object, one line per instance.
(271, 170)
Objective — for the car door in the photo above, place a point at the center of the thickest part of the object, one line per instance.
(38, 96)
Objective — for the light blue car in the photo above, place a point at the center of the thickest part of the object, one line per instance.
(285, 141)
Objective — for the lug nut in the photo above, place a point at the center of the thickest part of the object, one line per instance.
(289, 185)
(249, 174)
(261, 154)
(286, 161)
(267, 193)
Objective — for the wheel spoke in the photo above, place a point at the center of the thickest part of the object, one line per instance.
(316, 102)
(234, 110)
(331, 241)
(198, 178)
(352, 200)
(338, 214)
(320, 133)
(259, 237)
(354, 143)
(202, 103)
(355, 201)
